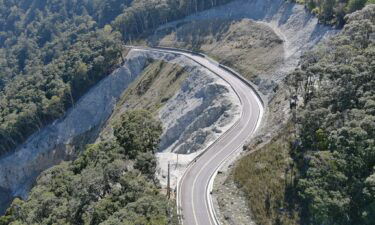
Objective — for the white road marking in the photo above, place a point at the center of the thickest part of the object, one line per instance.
(208, 200)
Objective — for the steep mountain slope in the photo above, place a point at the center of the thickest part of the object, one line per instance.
(321, 166)
(192, 95)
(200, 88)
(51, 55)
(253, 48)
(217, 30)
(213, 32)
(112, 182)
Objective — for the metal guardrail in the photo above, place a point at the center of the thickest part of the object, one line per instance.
(180, 50)
(244, 80)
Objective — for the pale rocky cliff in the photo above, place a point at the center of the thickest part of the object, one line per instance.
(202, 108)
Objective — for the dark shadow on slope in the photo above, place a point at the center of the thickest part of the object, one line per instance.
(5, 199)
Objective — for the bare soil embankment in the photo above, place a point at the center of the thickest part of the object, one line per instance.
(250, 47)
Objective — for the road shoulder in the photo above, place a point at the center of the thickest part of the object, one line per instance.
(229, 201)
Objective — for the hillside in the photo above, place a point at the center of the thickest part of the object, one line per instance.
(89, 127)
(278, 182)
(112, 182)
(325, 167)
(334, 12)
(52, 53)
(252, 48)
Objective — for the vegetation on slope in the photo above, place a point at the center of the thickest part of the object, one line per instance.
(112, 182)
(157, 84)
(250, 47)
(266, 177)
(333, 11)
(336, 156)
(52, 52)
(334, 149)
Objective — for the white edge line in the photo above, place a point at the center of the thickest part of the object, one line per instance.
(178, 198)
(212, 179)
(210, 186)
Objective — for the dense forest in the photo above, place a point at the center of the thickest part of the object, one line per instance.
(335, 146)
(110, 183)
(52, 52)
(333, 11)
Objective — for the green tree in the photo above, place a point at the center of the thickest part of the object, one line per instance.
(354, 5)
(146, 163)
(138, 132)
(368, 212)
(336, 156)
(99, 187)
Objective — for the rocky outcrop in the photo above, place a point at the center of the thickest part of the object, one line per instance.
(204, 107)
(200, 111)
(298, 29)
(53, 144)
(197, 113)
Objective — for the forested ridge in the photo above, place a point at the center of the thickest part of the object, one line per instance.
(53, 51)
(112, 182)
(335, 146)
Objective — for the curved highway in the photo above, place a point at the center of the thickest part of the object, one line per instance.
(194, 188)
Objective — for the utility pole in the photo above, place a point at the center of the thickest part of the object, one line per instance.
(177, 161)
(169, 181)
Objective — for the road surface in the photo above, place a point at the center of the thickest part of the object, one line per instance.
(194, 189)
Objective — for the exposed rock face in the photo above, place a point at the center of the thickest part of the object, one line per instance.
(298, 29)
(52, 144)
(252, 48)
(194, 117)
(201, 109)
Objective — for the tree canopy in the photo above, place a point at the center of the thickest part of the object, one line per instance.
(52, 52)
(336, 126)
(102, 186)
(333, 11)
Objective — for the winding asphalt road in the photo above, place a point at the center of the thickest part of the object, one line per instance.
(194, 188)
